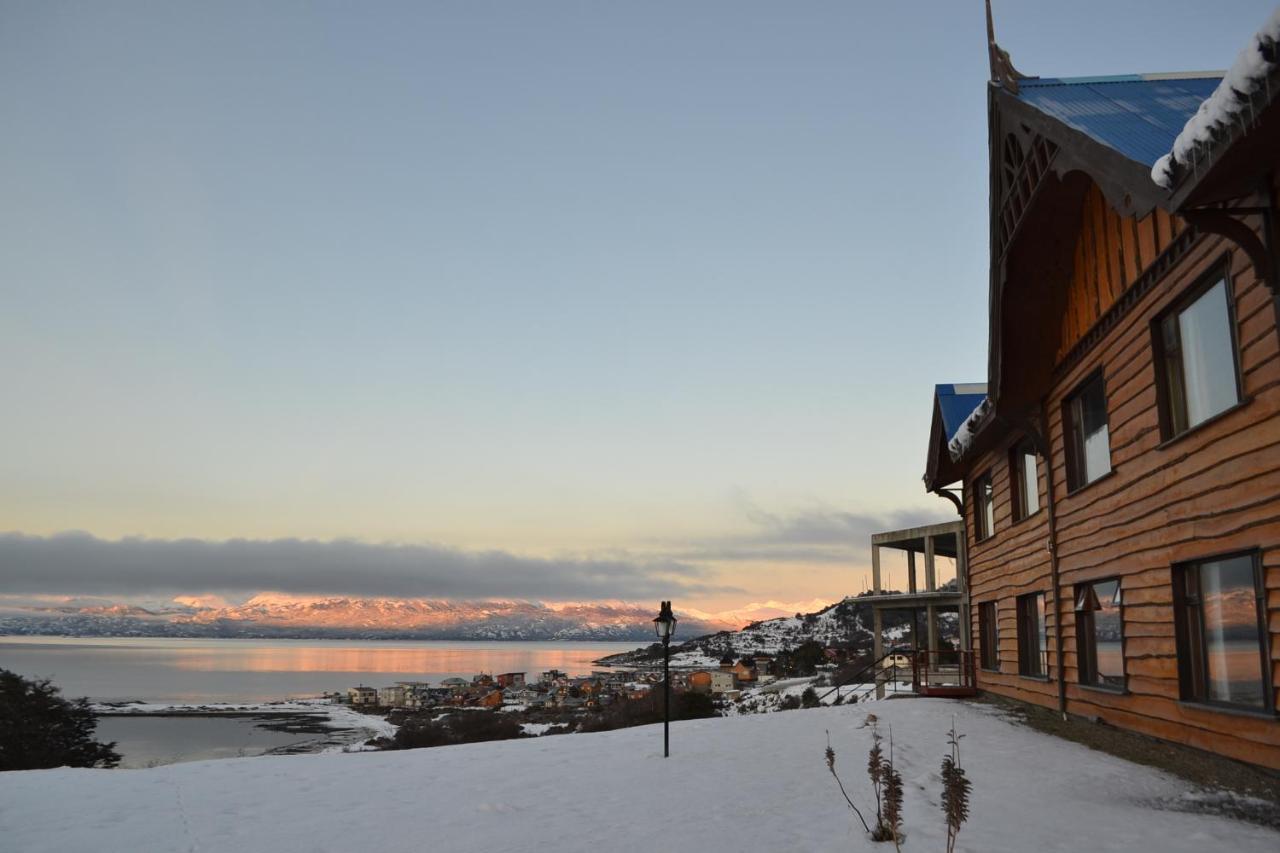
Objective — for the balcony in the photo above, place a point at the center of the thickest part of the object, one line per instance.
(937, 670)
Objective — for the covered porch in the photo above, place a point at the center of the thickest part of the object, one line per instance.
(936, 671)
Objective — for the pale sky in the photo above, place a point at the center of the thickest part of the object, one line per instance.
(665, 285)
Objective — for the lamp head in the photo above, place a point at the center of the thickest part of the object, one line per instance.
(665, 623)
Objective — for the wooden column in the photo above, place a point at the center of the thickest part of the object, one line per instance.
(962, 583)
(930, 585)
(877, 620)
(930, 577)
(911, 571)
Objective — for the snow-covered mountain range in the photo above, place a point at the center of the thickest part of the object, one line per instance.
(280, 615)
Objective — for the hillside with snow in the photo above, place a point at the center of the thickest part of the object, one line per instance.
(751, 783)
(846, 623)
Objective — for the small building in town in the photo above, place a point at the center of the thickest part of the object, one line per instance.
(511, 679)
(714, 681)
(362, 695)
(699, 681)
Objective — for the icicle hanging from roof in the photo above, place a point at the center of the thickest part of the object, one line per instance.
(1225, 106)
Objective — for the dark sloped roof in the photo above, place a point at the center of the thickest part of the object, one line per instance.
(1137, 115)
(957, 402)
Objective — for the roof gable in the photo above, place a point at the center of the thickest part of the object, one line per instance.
(952, 406)
(956, 402)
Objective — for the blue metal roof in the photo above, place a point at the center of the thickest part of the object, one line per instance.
(1138, 115)
(957, 402)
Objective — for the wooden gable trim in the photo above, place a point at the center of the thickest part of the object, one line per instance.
(1126, 183)
(1050, 146)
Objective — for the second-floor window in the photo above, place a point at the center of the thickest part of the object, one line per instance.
(1196, 356)
(1088, 441)
(984, 507)
(1024, 479)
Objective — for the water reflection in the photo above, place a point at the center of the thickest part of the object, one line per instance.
(168, 670)
(436, 658)
(151, 741)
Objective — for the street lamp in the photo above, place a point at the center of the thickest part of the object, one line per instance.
(665, 626)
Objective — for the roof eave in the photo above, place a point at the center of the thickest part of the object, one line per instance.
(1209, 180)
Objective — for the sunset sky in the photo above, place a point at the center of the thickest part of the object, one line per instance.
(545, 300)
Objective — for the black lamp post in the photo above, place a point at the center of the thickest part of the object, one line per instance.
(665, 626)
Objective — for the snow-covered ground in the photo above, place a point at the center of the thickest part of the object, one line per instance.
(767, 698)
(732, 784)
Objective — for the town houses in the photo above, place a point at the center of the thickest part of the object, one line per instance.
(553, 689)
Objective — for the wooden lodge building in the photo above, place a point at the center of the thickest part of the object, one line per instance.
(1121, 468)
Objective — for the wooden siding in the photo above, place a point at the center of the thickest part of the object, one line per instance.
(1013, 561)
(1111, 252)
(1212, 490)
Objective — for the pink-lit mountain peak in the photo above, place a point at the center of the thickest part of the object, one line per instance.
(282, 609)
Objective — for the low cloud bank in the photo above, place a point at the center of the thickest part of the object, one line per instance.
(82, 564)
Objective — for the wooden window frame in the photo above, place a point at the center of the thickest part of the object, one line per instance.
(1221, 272)
(989, 623)
(1192, 647)
(1017, 479)
(1087, 661)
(980, 531)
(1024, 656)
(1073, 432)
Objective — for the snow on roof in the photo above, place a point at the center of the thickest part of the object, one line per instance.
(1228, 101)
(956, 401)
(969, 429)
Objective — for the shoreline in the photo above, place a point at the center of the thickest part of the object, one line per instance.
(338, 728)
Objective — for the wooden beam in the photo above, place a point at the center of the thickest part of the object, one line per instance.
(875, 572)
(930, 577)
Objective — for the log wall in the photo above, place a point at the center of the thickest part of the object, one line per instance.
(1111, 252)
(1212, 490)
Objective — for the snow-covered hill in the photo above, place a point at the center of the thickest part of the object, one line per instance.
(751, 783)
(846, 623)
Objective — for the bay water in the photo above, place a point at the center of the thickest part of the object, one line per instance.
(200, 671)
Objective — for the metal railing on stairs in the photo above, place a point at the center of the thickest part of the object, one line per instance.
(880, 674)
